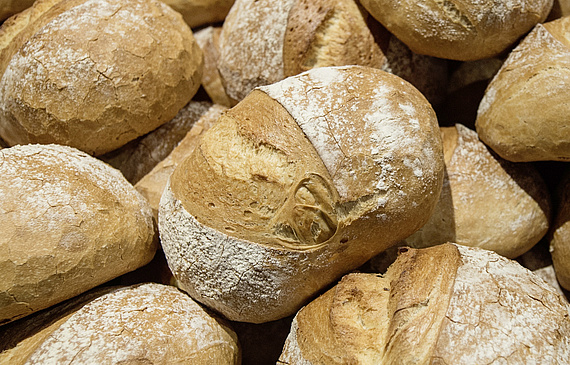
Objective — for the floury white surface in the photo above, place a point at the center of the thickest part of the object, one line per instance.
(301, 182)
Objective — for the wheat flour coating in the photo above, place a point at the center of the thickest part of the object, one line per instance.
(300, 182)
(524, 113)
(464, 30)
(447, 304)
(486, 201)
(144, 324)
(94, 74)
(69, 223)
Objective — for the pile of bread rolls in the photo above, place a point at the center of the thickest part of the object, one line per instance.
(290, 182)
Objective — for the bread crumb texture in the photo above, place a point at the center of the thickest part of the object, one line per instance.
(69, 222)
(98, 75)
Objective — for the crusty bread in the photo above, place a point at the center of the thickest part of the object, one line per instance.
(69, 222)
(524, 113)
(486, 201)
(138, 157)
(447, 304)
(152, 184)
(292, 188)
(197, 13)
(459, 30)
(11, 7)
(71, 76)
(139, 324)
(263, 42)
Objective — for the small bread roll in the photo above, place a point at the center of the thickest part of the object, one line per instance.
(201, 12)
(138, 157)
(447, 304)
(465, 30)
(524, 113)
(560, 238)
(69, 222)
(299, 183)
(11, 7)
(486, 201)
(94, 74)
(152, 184)
(139, 324)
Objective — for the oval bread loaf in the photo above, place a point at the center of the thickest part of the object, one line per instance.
(464, 30)
(524, 113)
(69, 222)
(140, 324)
(447, 304)
(94, 74)
(292, 187)
(485, 201)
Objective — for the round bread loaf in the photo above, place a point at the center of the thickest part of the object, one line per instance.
(139, 324)
(560, 239)
(11, 7)
(441, 305)
(201, 12)
(463, 30)
(486, 201)
(94, 74)
(69, 222)
(299, 183)
(524, 113)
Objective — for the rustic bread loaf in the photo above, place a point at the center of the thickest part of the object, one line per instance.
(69, 222)
(486, 201)
(138, 157)
(263, 42)
(152, 184)
(524, 113)
(139, 324)
(94, 74)
(299, 183)
(209, 41)
(197, 13)
(446, 304)
(560, 238)
(11, 7)
(459, 30)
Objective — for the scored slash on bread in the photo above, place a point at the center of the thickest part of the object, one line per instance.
(293, 187)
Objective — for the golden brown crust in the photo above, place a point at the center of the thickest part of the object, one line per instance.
(512, 118)
(88, 225)
(328, 33)
(11, 7)
(197, 13)
(560, 238)
(78, 81)
(457, 29)
(486, 201)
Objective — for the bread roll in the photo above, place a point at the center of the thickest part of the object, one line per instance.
(11, 7)
(441, 305)
(459, 30)
(201, 12)
(152, 184)
(299, 183)
(263, 42)
(94, 74)
(560, 238)
(140, 324)
(69, 222)
(138, 157)
(524, 113)
(486, 201)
